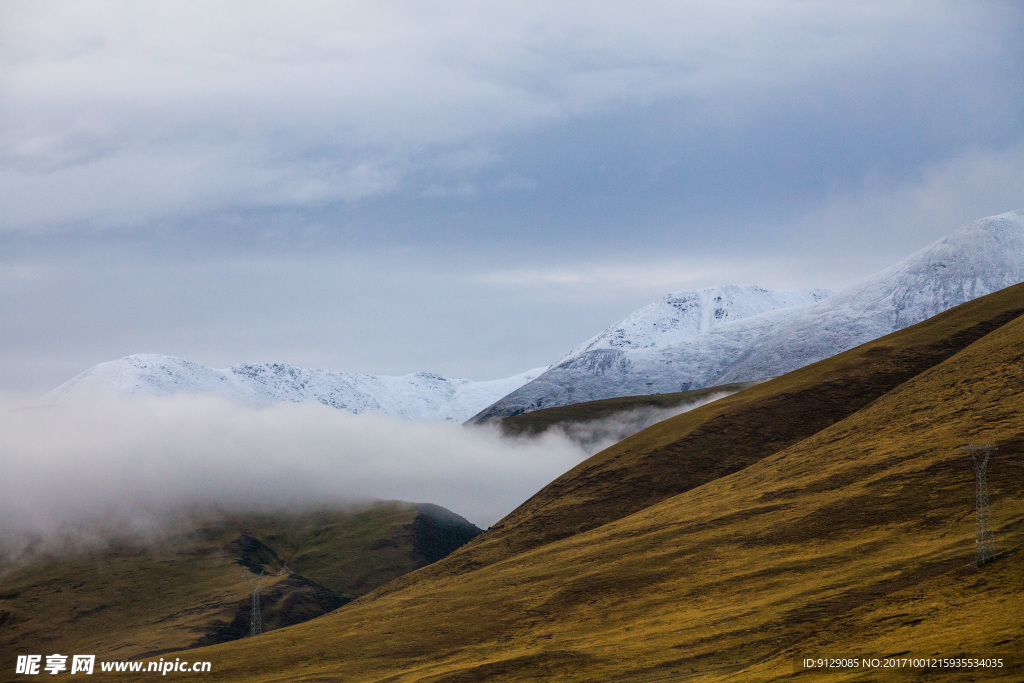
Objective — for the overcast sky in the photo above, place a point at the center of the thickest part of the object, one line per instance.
(469, 188)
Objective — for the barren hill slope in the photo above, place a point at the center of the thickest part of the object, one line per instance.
(849, 536)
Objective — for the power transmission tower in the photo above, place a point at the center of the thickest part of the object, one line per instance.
(984, 547)
(255, 621)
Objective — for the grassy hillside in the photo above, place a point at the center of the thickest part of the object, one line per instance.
(187, 589)
(827, 513)
(734, 432)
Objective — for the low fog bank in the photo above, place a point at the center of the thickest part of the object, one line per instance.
(103, 469)
(593, 436)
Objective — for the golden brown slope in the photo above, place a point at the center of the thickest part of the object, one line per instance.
(724, 437)
(130, 600)
(853, 541)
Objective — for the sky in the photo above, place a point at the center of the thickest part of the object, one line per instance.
(469, 188)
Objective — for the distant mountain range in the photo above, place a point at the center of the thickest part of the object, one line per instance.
(419, 395)
(716, 336)
(690, 339)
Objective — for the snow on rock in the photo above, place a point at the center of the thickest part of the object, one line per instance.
(656, 350)
(420, 395)
(687, 313)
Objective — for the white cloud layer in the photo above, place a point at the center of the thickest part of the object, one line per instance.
(130, 464)
(121, 112)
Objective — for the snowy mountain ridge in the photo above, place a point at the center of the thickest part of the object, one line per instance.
(686, 313)
(689, 339)
(977, 259)
(420, 395)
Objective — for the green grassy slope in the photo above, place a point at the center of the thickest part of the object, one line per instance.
(826, 513)
(187, 589)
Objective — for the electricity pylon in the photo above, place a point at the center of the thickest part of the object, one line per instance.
(255, 620)
(984, 547)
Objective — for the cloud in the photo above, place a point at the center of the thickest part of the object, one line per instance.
(596, 435)
(883, 221)
(438, 191)
(128, 465)
(967, 186)
(601, 278)
(118, 113)
(514, 182)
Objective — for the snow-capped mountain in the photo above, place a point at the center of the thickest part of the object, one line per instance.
(649, 352)
(420, 395)
(687, 313)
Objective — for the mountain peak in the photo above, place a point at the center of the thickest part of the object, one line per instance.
(693, 340)
(684, 314)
